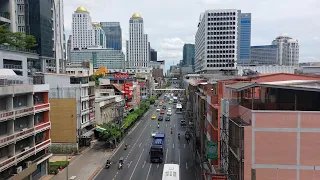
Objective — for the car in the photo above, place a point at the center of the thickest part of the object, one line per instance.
(162, 111)
(164, 107)
(154, 116)
(160, 118)
(167, 118)
(169, 113)
(183, 122)
(170, 102)
(153, 133)
(169, 109)
(158, 109)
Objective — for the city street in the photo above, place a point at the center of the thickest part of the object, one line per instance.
(137, 164)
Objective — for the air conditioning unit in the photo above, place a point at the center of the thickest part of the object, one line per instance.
(28, 164)
(26, 148)
(18, 169)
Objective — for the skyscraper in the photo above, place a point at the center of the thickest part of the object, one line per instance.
(154, 55)
(137, 45)
(82, 30)
(113, 34)
(288, 50)
(216, 45)
(69, 49)
(99, 35)
(188, 54)
(46, 23)
(245, 38)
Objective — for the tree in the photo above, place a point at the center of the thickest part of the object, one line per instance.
(96, 78)
(111, 133)
(16, 39)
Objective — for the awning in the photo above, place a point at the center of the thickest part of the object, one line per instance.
(88, 134)
(100, 129)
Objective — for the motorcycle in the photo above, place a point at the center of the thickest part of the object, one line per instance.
(179, 136)
(108, 165)
(125, 147)
(120, 163)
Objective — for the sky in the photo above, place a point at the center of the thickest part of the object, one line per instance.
(172, 23)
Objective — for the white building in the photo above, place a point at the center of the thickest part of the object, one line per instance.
(288, 50)
(82, 30)
(137, 46)
(85, 68)
(99, 35)
(216, 42)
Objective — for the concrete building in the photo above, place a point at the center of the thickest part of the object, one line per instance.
(99, 35)
(245, 39)
(264, 55)
(266, 69)
(110, 58)
(25, 127)
(85, 69)
(69, 49)
(216, 44)
(138, 55)
(72, 100)
(154, 55)
(109, 109)
(188, 55)
(23, 62)
(113, 34)
(83, 35)
(288, 50)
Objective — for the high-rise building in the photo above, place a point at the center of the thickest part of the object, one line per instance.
(216, 42)
(137, 45)
(48, 29)
(99, 35)
(245, 39)
(154, 55)
(25, 127)
(264, 55)
(113, 34)
(188, 54)
(69, 48)
(82, 30)
(288, 50)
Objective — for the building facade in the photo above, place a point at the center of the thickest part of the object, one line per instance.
(110, 58)
(25, 128)
(188, 54)
(138, 54)
(216, 41)
(264, 55)
(154, 55)
(288, 50)
(83, 35)
(245, 38)
(99, 35)
(109, 109)
(69, 49)
(113, 34)
(85, 68)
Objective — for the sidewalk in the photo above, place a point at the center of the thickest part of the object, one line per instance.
(87, 164)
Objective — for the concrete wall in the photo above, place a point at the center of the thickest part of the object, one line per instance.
(57, 80)
(268, 69)
(283, 145)
(63, 120)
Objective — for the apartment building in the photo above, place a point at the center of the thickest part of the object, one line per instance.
(205, 93)
(109, 109)
(272, 130)
(72, 100)
(24, 127)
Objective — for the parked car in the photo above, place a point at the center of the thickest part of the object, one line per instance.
(160, 118)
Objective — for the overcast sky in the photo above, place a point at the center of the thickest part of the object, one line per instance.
(171, 23)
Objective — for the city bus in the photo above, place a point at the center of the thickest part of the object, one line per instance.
(178, 109)
(171, 172)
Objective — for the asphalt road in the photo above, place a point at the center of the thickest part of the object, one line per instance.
(137, 164)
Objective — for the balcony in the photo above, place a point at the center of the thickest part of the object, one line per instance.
(43, 145)
(7, 163)
(6, 115)
(24, 155)
(41, 107)
(12, 66)
(23, 112)
(7, 140)
(92, 96)
(24, 134)
(42, 127)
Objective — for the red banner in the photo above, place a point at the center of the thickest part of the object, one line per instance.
(142, 84)
(128, 90)
(121, 76)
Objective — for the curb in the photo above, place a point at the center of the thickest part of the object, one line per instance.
(95, 173)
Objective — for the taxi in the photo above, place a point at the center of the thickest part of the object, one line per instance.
(153, 117)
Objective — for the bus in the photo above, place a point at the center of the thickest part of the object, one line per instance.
(178, 109)
(175, 99)
(171, 172)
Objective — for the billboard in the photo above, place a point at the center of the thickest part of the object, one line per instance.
(121, 76)
(128, 90)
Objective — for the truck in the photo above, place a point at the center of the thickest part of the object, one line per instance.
(175, 100)
(157, 148)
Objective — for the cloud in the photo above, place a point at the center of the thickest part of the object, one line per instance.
(172, 44)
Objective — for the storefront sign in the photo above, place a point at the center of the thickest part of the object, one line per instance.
(212, 150)
(121, 76)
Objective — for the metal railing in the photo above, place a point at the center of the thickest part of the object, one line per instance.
(12, 66)
(5, 15)
(11, 48)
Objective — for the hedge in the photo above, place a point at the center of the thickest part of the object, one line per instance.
(54, 166)
(132, 117)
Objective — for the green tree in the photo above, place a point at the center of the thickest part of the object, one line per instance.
(96, 78)
(30, 41)
(112, 132)
(16, 39)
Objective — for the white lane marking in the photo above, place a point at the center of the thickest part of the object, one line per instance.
(186, 165)
(136, 165)
(129, 164)
(179, 156)
(140, 144)
(174, 126)
(158, 166)
(172, 145)
(166, 125)
(146, 114)
(116, 149)
(166, 156)
(184, 145)
(148, 171)
(143, 164)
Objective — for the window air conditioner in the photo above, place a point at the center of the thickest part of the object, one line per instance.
(18, 169)
(28, 163)
(26, 148)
